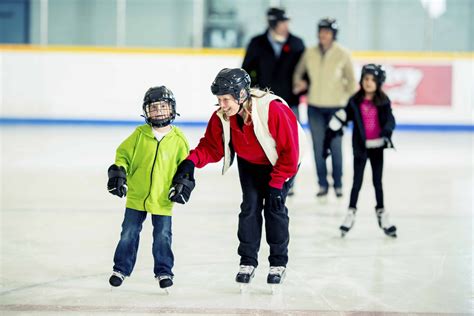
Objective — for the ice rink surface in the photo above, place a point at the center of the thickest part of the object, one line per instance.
(59, 229)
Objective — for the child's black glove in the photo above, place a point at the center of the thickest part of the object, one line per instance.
(183, 183)
(386, 133)
(117, 184)
(275, 198)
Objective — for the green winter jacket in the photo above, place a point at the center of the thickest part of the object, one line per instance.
(150, 167)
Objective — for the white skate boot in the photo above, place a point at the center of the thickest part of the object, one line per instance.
(348, 221)
(384, 222)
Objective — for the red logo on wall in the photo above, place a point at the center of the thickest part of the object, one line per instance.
(418, 84)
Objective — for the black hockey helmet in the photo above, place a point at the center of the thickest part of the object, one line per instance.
(160, 99)
(275, 15)
(328, 23)
(231, 81)
(376, 70)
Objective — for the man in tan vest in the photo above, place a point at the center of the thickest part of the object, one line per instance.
(331, 82)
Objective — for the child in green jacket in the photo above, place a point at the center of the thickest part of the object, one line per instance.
(144, 167)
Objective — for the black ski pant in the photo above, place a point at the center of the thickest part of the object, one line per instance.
(254, 181)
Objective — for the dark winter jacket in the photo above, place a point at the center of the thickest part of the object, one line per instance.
(386, 120)
(268, 71)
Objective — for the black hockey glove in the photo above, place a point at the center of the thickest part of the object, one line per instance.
(117, 184)
(183, 183)
(275, 198)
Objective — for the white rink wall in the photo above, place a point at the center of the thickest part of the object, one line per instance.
(108, 84)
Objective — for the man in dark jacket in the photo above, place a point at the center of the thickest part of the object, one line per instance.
(271, 58)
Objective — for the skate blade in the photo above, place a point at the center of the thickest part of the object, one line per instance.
(244, 288)
(322, 199)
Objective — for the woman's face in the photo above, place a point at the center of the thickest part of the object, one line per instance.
(369, 84)
(228, 104)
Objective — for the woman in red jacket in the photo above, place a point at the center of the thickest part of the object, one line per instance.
(264, 133)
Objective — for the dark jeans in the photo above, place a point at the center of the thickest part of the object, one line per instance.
(375, 156)
(318, 120)
(126, 252)
(254, 181)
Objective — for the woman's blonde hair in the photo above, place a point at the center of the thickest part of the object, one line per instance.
(247, 105)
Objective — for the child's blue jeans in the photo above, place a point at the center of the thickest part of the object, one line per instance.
(127, 248)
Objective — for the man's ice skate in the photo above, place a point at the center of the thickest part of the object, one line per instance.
(276, 275)
(116, 279)
(338, 192)
(348, 221)
(166, 281)
(245, 276)
(384, 222)
(322, 195)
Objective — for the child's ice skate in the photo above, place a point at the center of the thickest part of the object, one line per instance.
(245, 276)
(348, 221)
(276, 276)
(384, 222)
(166, 281)
(116, 279)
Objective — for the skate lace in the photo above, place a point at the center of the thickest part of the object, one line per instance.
(163, 277)
(118, 274)
(277, 270)
(349, 219)
(246, 269)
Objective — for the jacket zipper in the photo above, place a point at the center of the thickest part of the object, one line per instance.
(151, 175)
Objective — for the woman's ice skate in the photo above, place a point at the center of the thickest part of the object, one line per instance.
(275, 277)
(245, 276)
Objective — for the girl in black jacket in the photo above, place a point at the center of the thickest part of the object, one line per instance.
(371, 113)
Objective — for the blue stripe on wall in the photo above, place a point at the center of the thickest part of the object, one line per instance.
(8, 121)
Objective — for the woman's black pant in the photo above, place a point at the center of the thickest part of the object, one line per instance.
(254, 181)
(375, 155)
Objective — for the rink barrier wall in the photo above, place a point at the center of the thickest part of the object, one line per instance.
(105, 85)
(78, 122)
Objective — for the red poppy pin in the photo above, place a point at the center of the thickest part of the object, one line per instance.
(286, 48)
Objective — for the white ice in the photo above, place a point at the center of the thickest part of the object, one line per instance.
(59, 229)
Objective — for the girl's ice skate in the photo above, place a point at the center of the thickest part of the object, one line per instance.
(348, 221)
(116, 279)
(245, 276)
(384, 222)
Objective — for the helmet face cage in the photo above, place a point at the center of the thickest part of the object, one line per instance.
(231, 81)
(159, 107)
(377, 71)
(328, 23)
